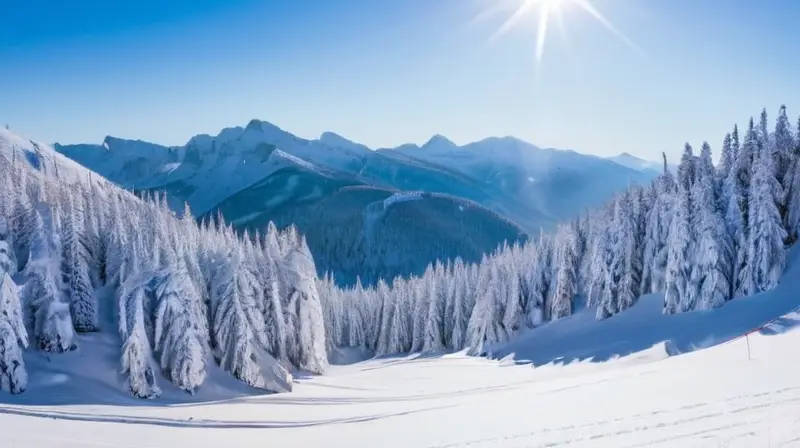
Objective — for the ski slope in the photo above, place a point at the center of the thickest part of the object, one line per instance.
(709, 398)
(638, 379)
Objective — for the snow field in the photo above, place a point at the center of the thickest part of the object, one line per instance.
(709, 398)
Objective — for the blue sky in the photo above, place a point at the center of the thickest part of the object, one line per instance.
(386, 72)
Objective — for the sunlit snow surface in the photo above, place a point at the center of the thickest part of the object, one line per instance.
(708, 398)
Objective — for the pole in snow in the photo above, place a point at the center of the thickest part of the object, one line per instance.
(747, 338)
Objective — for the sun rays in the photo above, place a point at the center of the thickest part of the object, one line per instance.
(547, 11)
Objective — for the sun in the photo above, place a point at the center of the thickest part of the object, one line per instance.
(548, 10)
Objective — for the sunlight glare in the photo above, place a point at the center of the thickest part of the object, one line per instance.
(547, 9)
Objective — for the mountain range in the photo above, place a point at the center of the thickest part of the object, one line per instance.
(344, 195)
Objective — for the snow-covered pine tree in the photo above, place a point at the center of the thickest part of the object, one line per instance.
(566, 265)
(540, 283)
(656, 237)
(44, 289)
(117, 249)
(727, 160)
(181, 332)
(271, 278)
(76, 268)
(238, 330)
(386, 302)
(310, 354)
(420, 310)
(13, 337)
(449, 290)
(744, 170)
(732, 201)
(96, 237)
(134, 300)
(23, 219)
(433, 339)
(713, 264)
(783, 152)
(331, 301)
(481, 322)
(766, 257)
(512, 310)
(764, 139)
(679, 296)
(602, 257)
(8, 259)
(400, 341)
(626, 264)
(461, 310)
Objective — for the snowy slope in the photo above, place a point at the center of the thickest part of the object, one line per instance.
(581, 337)
(92, 372)
(40, 157)
(709, 398)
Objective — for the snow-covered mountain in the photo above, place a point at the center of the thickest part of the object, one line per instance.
(628, 297)
(260, 173)
(532, 185)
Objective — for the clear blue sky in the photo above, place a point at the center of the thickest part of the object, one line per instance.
(386, 72)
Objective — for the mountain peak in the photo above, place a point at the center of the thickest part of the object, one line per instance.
(261, 126)
(439, 140)
(627, 155)
(333, 138)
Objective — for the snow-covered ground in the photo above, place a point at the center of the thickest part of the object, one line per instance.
(716, 397)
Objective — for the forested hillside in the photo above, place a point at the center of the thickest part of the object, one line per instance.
(91, 257)
(79, 255)
(481, 194)
(708, 235)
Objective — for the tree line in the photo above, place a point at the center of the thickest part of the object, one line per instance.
(183, 294)
(704, 236)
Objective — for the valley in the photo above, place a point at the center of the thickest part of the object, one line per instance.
(260, 173)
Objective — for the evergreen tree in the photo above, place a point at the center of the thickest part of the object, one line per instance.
(539, 283)
(180, 326)
(766, 255)
(137, 356)
(783, 149)
(566, 261)
(76, 270)
(238, 327)
(13, 338)
(679, 295)
(8, 259)
(713, 266)
(656, 237)
(44, 288)
(272, 307)
(309, 353)
(433, 339)
(481, 326)
(602, 258)
(461, 309)
(626, 270)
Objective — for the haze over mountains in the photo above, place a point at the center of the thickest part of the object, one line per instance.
(343, 195)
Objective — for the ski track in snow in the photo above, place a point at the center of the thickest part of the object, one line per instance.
(714, 397)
